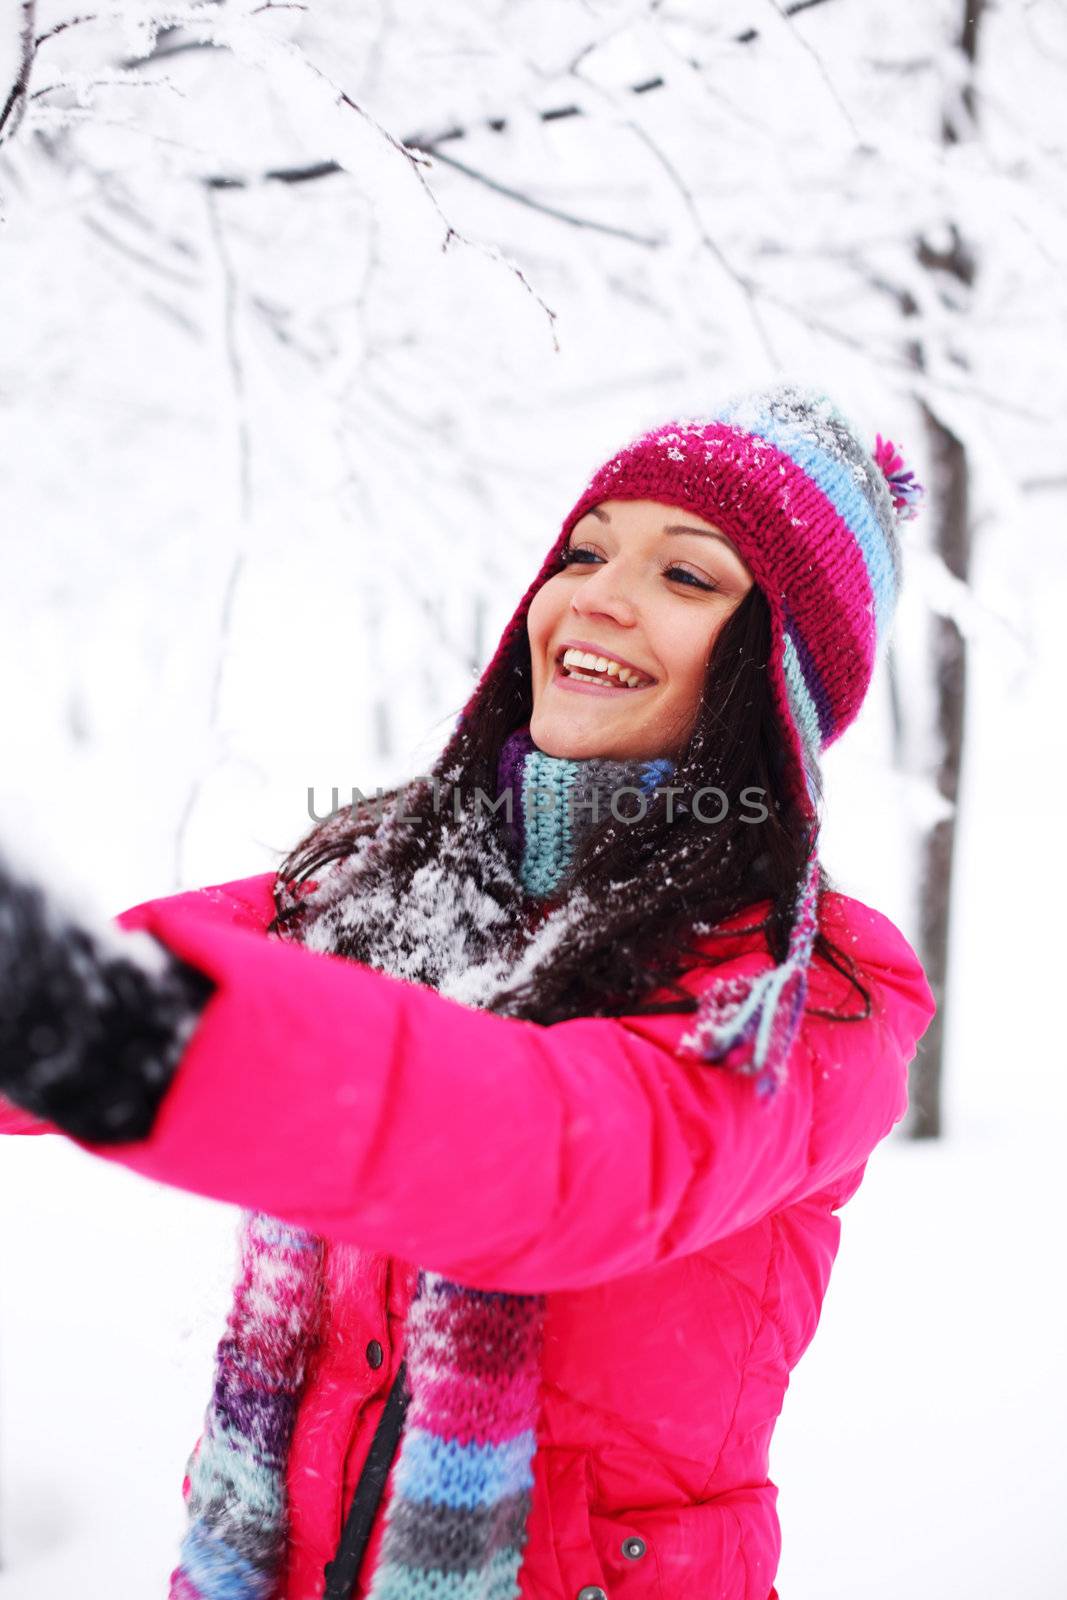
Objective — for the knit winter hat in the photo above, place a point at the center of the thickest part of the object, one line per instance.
(816, 516)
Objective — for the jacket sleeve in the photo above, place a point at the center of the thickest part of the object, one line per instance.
(502, 1153)
(12, 1120)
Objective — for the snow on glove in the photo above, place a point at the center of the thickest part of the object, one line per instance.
(93, 1020)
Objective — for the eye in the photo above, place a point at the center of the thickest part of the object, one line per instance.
(581, 554)
(692, 580)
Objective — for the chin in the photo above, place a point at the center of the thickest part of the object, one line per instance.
(581, 744)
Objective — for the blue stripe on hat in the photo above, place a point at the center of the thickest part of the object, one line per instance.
(804, 662)
(805, 711)
(848, 500)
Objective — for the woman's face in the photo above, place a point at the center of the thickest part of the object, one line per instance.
(620, 639)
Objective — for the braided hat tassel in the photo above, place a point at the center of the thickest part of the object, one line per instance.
(750, 1024)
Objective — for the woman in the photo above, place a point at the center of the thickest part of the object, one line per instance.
(576, 1025)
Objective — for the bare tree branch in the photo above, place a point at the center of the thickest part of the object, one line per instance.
(741, 280)
(113, 81)
(235, 364)
(650, 240)
(14, 107)
(1036, 485)
(413, 157)
(61, 27)
(792, 10)
(308, 172)
(141, 257)
(786, 14)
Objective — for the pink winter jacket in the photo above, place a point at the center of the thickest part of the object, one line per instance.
(683, 1228)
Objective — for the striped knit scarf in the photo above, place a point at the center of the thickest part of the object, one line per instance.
(461, 1487)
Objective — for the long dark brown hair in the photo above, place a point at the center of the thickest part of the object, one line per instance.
(654, 891)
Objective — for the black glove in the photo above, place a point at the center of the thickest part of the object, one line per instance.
(93, 1021)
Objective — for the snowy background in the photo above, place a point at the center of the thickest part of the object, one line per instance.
(288, 417)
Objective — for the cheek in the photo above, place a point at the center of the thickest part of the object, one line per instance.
(688, 664)
(541, 619)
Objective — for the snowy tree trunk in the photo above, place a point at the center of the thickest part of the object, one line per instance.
(949, 668)
(954, 266)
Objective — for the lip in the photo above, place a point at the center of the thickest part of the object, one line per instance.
(602, 650)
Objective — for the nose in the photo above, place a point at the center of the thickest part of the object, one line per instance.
(604, 593)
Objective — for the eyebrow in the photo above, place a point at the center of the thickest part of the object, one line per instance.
(681, 527)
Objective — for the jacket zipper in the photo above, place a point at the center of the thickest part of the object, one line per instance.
(342, 1572)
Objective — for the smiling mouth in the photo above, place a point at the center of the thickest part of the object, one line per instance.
(587, 667)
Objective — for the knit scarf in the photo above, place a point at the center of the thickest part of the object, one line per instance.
(461, 1485)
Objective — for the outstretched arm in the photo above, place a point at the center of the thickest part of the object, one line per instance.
(506, 1154)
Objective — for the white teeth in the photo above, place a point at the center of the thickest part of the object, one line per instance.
(591, 677)
(592, 668)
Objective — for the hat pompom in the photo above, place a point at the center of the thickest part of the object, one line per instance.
(905, 488)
